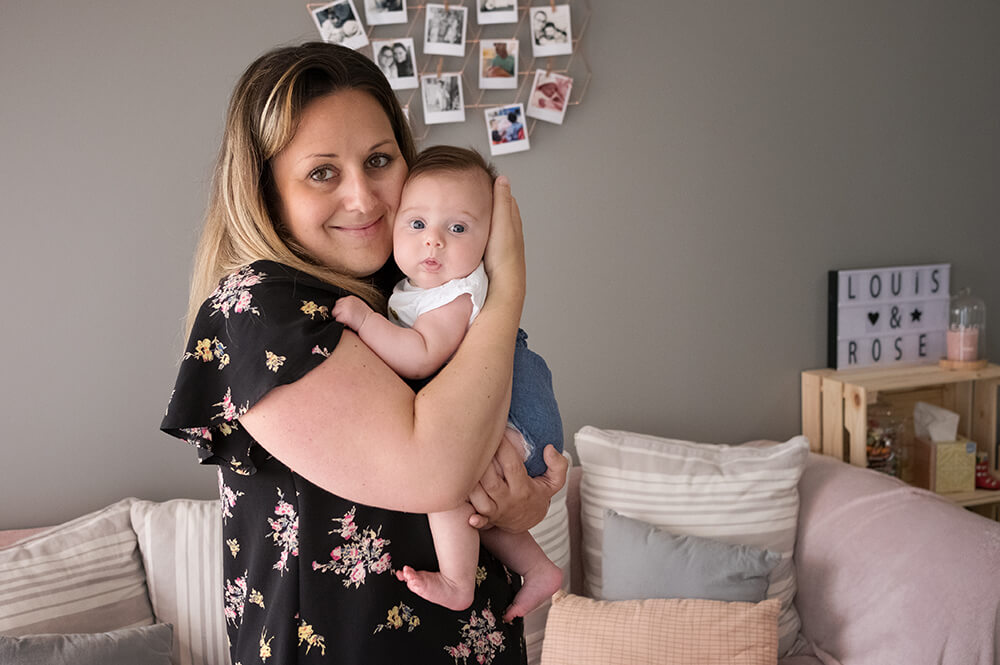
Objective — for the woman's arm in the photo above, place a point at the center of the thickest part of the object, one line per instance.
(352, 427)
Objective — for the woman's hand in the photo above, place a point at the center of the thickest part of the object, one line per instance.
(506, 497)
(504, 256)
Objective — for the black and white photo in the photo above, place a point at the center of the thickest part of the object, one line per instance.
(338, 23)
(550, 30)
(496, 11)
(384, 12)
(443, 98)
(444, 30)
(395, 57)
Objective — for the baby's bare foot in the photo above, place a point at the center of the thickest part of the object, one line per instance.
(539, 584)
(437, 588)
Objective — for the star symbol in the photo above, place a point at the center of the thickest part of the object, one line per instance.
(915, 315)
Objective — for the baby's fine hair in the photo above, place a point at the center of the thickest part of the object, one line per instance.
(450, 158)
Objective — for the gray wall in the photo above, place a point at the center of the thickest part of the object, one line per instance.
(679, 225)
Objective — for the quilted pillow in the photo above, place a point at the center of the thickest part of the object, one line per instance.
(583, 631)
(741, 495)
(87, 571)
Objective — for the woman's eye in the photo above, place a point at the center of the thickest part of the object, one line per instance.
(417, 224)
(379, 161)
(322, 174)
(457, 228)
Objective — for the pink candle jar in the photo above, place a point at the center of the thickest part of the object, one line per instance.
(966, 336)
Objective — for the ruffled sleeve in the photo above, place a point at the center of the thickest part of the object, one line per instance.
(265, 325)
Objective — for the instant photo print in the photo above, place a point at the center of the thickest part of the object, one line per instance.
(444, 30)
(339, 23)
(442, 97)
(385, 12)
(395, 57)
(496, 11)
(549, 97)
(498, 64)
(550, 30)
(505, 129)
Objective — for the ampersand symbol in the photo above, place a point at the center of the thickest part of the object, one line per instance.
(895, 320)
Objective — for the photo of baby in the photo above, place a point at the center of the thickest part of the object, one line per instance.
(444, 31)
(550, 31)
(338, 23)
(549, 97)
(395, 58)
(498, 64)
(505, 129)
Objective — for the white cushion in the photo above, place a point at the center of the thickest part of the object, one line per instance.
(742, 495)
(181, 545)
(84, 576)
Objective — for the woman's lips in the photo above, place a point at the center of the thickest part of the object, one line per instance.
(361, 231)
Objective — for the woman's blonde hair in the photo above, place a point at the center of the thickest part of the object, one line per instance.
(241, 224)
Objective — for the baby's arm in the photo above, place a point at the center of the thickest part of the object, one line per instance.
(413, 353)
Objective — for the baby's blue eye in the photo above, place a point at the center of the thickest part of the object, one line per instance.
(457, 228)
(417, 224)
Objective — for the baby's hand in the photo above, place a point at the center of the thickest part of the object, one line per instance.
(351, 311)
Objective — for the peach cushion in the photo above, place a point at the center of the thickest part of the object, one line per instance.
(582, 631)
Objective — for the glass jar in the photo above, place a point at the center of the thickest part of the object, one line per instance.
(886, 427)
(966, 337)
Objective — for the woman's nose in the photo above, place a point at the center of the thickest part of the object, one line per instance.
(359, 196)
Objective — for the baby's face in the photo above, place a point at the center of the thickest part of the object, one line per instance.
(442, 226)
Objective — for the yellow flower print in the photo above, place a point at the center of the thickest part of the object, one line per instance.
(227, 428)
(234, 546)
(312, 309)
(204, 350)
(265, 645)
(399, 616)
(274, 361)
(311, 639)
(207, 350)
(480, 575)
(256, 598)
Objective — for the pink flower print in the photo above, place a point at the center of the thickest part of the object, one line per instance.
(357, 576)
(362, 553)
(243, 303)
(284, 532)
(382, 564)
(488, 616)
(495, 638)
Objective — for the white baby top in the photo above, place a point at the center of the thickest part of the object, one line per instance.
(407, 302)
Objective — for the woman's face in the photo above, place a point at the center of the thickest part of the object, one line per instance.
(400, 53)
(339, 182)
(385, 57)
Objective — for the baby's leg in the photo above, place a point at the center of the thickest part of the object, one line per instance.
(522, 554)
(457, 547)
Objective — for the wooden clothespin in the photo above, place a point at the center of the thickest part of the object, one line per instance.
(552, 4)
(440, 65)
(548, 66)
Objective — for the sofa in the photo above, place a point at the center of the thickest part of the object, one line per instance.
(881, 572)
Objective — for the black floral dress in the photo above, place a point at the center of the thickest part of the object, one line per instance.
(309, 576)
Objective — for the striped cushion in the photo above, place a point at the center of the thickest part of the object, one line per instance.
(583, 631)
(181, 545)
(552, 535)
(84, 576)
(742, 495)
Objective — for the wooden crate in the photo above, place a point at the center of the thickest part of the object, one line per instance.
(835, 406)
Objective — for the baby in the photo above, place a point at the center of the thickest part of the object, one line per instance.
(439, 236)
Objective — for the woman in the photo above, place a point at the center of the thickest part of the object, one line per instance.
(387, 62)
(326, 458)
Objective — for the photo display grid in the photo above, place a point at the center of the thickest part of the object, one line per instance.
(516, 49)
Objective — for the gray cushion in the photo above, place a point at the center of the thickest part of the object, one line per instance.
(145, 645)
(643, 561)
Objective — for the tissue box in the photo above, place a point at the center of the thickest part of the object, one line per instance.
(945, 466)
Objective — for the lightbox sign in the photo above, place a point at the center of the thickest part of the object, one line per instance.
(888, 316)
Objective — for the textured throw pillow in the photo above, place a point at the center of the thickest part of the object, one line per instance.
(146, 645)
(84, 576)
(582, 631)
(182, 548)
(741, 495)
(643, 561)
(552, 535)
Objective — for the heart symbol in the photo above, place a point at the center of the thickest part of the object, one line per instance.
(873, 317)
